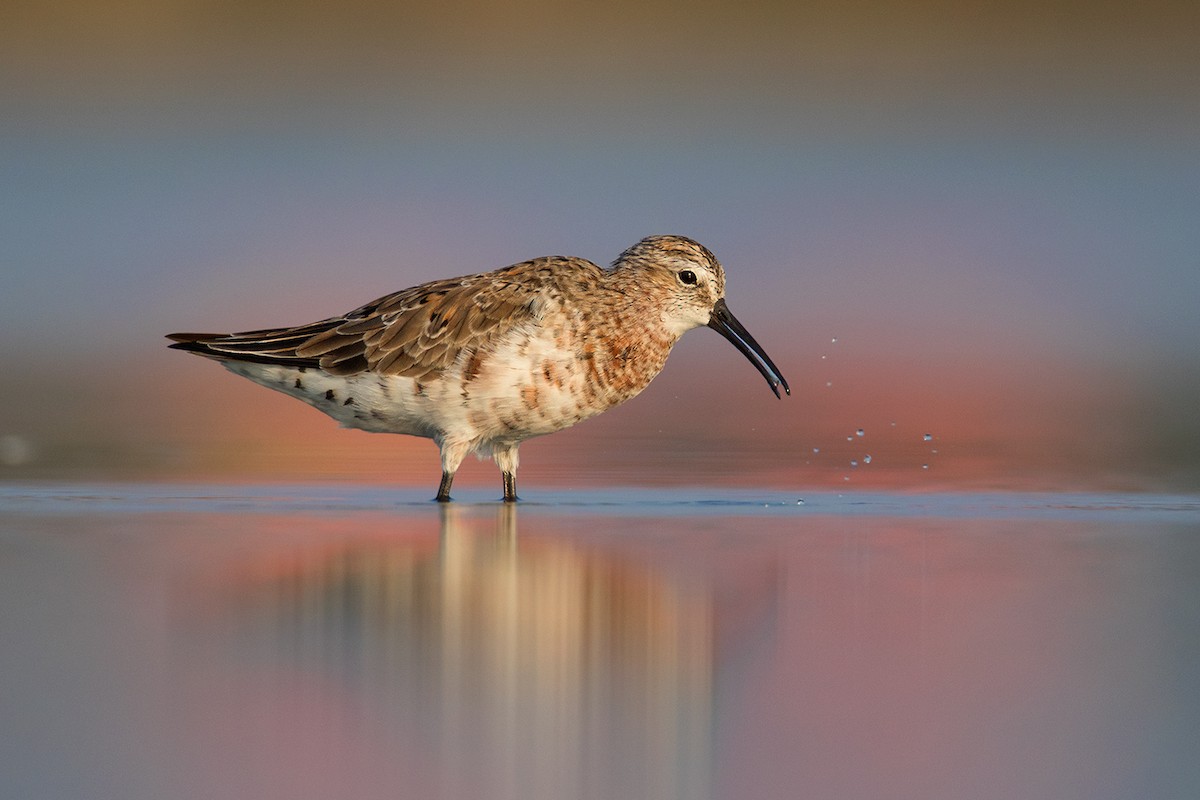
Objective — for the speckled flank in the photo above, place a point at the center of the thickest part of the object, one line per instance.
(483, 362)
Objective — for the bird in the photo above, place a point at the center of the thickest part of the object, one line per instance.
(480, 363)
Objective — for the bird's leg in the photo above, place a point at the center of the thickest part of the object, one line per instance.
(443, 495)
(452, 455)
(506, 460)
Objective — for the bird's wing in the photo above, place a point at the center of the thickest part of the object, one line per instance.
(416, 333)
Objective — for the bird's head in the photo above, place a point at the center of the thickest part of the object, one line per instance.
(689, 285)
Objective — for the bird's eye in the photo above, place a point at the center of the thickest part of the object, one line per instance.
(688, 277)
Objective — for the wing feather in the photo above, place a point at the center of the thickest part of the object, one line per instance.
(418, 332)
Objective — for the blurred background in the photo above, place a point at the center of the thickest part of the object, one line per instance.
(966, 232)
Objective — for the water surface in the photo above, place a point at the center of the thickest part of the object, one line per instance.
(316, 642)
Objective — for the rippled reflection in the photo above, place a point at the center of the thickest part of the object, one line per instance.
(512, 667)
(293, 645)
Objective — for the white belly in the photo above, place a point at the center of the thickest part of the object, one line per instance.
(529, 386)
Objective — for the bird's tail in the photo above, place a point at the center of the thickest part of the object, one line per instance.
(269, 346)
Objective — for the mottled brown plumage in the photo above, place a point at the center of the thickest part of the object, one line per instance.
(482, 362)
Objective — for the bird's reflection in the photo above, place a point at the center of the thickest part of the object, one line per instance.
(521, 667)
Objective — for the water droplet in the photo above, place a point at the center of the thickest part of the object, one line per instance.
(800, 502)
(934, 451)
(929, 437)
(828, 384)
(860, 432)
(823, 356)
(833, 340)
(849, 438)
(924, 466)
(853, 463)
(816, 449)
(893, 423)
(867, 458)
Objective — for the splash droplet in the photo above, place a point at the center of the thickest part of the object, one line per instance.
(867, 458)
(860, 432)
(929, 437)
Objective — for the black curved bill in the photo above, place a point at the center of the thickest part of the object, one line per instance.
(725, 323)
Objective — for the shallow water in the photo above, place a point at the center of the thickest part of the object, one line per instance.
(316, 642)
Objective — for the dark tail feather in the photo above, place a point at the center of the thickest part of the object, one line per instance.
(193, 337)
(236, 347)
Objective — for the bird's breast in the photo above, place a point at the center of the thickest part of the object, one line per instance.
(540, 381)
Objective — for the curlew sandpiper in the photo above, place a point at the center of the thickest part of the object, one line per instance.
(481, 363)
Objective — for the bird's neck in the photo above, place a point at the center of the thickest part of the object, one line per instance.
(623, 351)
(641, 299)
